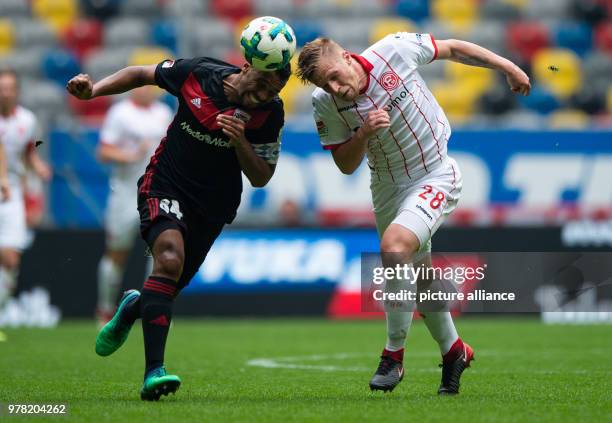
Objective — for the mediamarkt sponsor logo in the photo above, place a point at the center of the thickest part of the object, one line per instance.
(217, 142)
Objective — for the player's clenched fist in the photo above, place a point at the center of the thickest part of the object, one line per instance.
(81, 86)
(377, 119)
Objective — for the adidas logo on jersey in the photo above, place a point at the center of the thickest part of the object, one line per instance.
(197, 102)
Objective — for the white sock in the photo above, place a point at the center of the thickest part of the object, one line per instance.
(8, 282)
(442, 329)
(109, 283)
(398, 322)
(398, 325)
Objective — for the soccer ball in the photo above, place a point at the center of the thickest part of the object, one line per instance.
(267, 43)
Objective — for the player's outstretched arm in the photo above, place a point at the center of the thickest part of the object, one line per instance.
(348, 156)
(475, 55)
(82, 87)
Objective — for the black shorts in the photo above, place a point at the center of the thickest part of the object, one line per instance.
(162, 212)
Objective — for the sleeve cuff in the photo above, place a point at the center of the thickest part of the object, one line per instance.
(332, 147)
(433, 41)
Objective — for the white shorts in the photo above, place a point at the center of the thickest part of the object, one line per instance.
(420, 205)
(13, 230)
(122, 220)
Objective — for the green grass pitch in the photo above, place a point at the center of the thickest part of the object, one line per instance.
(315, 370)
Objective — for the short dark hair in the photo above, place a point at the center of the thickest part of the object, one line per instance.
(284, 73)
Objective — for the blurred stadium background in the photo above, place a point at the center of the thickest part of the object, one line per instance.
(537, 170)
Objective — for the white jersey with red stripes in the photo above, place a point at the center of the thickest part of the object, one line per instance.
(415, 143)
(129, 125)
(17, 133)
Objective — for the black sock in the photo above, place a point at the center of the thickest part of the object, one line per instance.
(156, 301)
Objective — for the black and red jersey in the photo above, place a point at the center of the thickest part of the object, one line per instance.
(195, 161)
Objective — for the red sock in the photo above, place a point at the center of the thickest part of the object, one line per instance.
(396, 355)
(455, 351)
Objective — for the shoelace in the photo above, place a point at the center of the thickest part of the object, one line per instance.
(385, 365)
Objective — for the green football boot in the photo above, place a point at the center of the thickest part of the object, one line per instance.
(116, 331)
(157, 382)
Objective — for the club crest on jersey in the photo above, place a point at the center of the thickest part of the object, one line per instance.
(389, 80)
(168, 64)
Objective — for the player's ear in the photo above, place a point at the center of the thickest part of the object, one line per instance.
(346, 56)
(246, 68)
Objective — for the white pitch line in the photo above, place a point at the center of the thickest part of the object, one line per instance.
(298, 363)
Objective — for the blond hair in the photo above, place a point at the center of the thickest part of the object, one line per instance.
(308, 61)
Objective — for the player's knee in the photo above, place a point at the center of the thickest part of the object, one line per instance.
(399, 240)
(169, 261)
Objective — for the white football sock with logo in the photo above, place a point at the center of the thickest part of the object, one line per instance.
(109, 283)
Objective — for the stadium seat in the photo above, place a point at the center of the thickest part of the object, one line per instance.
(370, 8)
(546, 10)
(233, 10)
(60, 65)
(284, 8)
(140, 8)
(489, 35)
(499, 11)
(521, 119)
(525, 38)
(83, 36)
(597, 70)
(539, 100)
(603, 37)
(14, 8)
(574, 36)
(568, 119)
(416, 10)
(461, 15)
(40, 94)
(142, 56)
(26, 61)
(165, 34)
(33, 33)
(186, 8)
(346, 35)
(211, 37)
(106, 61)
(476, 78)
(7, 37)
(306, 31)
(101, 9)
(57, 13)
(91, 111)
(126, 32)
(457, 100)
(591, 11)
(382, 27)
(589, 100)
(497, 100)
(566, 80)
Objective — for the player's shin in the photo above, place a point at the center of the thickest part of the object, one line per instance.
(8, 281)
(442, 328)
(156, 303)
